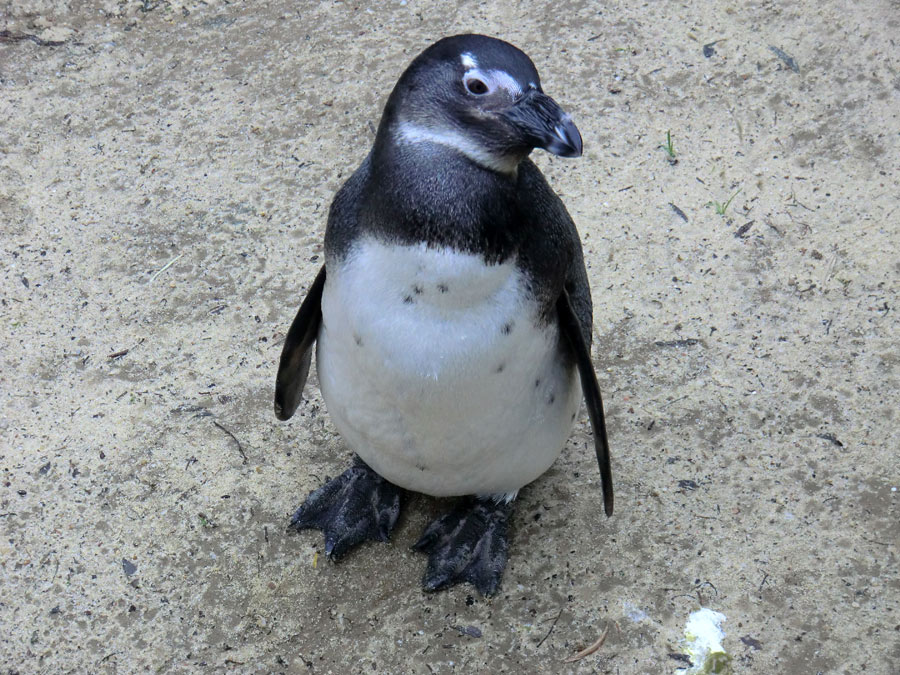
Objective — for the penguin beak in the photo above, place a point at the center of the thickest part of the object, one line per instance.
(543, 124)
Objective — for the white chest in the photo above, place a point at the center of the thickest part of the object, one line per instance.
(436, 373)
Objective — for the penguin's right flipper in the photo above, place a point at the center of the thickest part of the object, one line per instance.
(356, 506)
(296, 354)
(570, 327)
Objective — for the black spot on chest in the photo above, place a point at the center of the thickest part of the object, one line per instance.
(507, 328)
(409, 298)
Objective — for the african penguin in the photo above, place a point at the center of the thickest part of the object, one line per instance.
(452, 317)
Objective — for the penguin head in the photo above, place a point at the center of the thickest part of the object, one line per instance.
(481, 97)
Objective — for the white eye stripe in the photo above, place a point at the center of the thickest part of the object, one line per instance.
(494, 79)
(469, 61)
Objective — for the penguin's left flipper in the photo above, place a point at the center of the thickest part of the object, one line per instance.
(571, 329)
(469, 544)
(296, 355)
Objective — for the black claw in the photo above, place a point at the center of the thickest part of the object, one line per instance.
(469, 544)
(356, 506)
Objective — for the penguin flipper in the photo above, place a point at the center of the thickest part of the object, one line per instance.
(296, 354)
(570, 327)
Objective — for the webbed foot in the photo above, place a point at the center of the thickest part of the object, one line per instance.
(469, 544)
(356, 506)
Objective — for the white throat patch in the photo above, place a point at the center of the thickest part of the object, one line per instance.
(413, 133)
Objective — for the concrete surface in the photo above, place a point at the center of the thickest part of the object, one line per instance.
(164, 178)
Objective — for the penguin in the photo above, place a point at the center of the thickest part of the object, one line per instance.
(452, 317)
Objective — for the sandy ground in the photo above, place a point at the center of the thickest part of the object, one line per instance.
(164, 178)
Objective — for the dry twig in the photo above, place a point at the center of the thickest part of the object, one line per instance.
(587, 651)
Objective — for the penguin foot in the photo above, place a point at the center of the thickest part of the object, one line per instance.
(467, 545)
(356, 506)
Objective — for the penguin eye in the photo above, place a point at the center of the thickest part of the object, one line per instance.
(476, 86)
